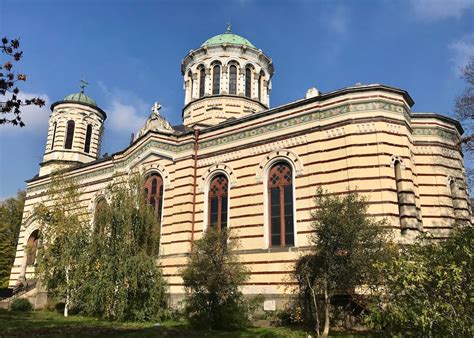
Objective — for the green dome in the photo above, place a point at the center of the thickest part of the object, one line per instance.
(227, 38)
(80, 98)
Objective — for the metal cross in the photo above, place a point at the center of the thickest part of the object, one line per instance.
(156, 108)
(228, 27)
(83, 85)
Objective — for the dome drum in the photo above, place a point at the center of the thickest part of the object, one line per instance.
(227, 77)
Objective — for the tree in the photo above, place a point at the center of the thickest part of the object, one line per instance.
(346, 246)
(427, 290)
(10, 104)
(11, 212)
(464, 108)
(64, 234)
(212, 280)
(121, 280)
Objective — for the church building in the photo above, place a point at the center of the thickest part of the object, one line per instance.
(238, 163)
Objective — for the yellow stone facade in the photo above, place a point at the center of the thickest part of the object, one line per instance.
(363, 138)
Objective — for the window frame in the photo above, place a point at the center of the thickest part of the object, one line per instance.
(202, 82)
(55, 125)
(248, 82)
(70, 130)
(206, 189)
(160, 190)
(216, 80)
(219, 202)
(233, 84)
(88, 139)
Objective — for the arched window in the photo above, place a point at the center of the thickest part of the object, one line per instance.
(280, 194)
(398, 182)
(233, 79)
(153, 191)
(69, 134)
(202, 81)
(248, 82)
(218, 202)
(216, 80)
(87, 145)
(32, 248)
(54, 135)
(260, 85)
(100, 215)
(190, 76)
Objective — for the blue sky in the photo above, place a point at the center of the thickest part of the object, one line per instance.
(130, 53)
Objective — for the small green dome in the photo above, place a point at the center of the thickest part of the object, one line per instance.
(227, 38)
(80, 98)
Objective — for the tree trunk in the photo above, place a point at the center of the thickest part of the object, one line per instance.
(327, 305)
(316, 314)
(66, 303)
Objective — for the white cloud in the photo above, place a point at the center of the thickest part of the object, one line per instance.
(126, 112)
(432, 10)
(35, 118)
(463, 50)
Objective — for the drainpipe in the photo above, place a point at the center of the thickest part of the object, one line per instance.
(196, 138)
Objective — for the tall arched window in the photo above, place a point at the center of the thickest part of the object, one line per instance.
(233, 79)
(398, 182)
(280, 194)
(69, 134)
(54, 135)
(87, 145)
(202, 81)
(218, 202)
(216, 80)
(32, 247)
(153, 191)
(260, 85)
(248, 82)
(191, 87)
(100, 215)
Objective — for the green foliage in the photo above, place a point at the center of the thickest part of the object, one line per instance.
(121, 280)
(64, 232)
(21, 304)
(11, 211)
(212, 278)
(428, 288)
(347, 245)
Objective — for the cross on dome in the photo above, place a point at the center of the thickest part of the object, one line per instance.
(156, 108)
(83, 85)
(228, 27)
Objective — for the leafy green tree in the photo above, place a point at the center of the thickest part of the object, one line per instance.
(64, 233)
(212, 279)
(346, 246)
(11, 211)
(10, 103)
(121, 280)
(428, 289)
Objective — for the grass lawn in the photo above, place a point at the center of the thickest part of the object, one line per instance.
(44, 323)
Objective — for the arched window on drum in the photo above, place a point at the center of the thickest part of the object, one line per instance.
(218, 202)
(153, 193)
(280, 195)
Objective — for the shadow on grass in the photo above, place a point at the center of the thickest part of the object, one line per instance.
(43, 323)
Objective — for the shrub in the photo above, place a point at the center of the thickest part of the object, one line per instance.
(21, 304)
(212, 279)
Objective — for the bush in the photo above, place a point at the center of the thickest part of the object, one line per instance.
(212, 279)
(21, 304)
